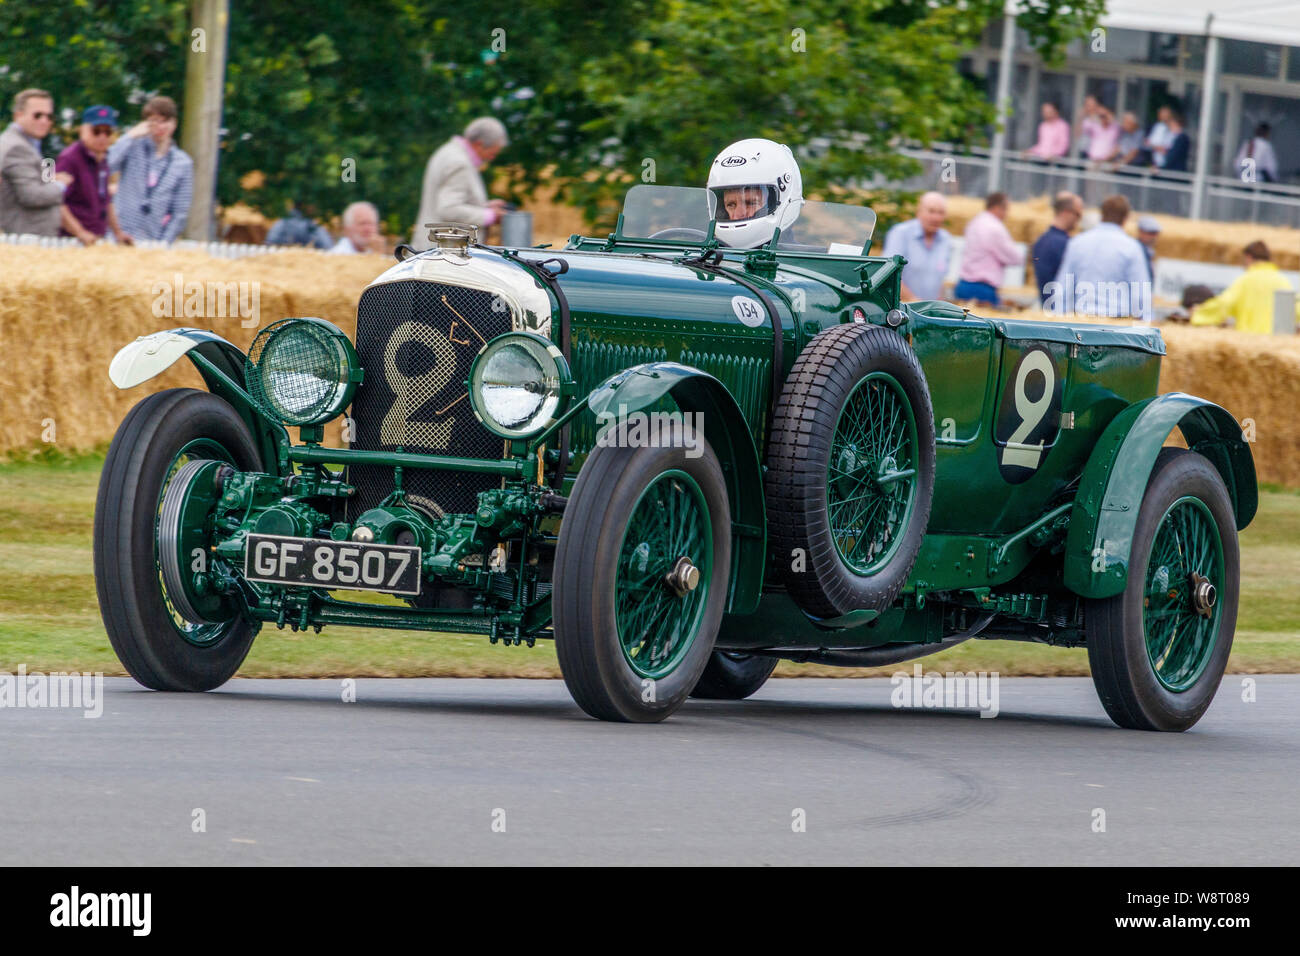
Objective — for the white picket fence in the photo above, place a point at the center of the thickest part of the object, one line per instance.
(224, 250)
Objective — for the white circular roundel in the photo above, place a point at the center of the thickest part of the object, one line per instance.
(749, 311)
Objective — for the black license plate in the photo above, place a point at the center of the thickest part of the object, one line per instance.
(321, 563)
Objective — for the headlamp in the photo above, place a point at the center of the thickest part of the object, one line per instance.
(302, 371)
(519, 384)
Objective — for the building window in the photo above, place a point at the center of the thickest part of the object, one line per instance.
(1243, 58)
(1164, 49)
(1123, 46)
(1105, 89)
(1293, 64)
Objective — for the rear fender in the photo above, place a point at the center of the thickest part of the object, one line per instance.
(728, 434)
(219, 362)
(1114, 480)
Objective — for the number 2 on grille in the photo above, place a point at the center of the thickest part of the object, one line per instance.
(411, 392)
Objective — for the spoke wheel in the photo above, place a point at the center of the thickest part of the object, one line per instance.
(850, 471)
(641, 572)
(1159, 648)
(200, 628)
(871, 479)
(667, 546)
(1180, 616)
(159, 443)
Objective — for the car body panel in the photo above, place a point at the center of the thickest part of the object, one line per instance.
(1106, 509)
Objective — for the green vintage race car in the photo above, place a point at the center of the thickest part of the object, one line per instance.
(682, 462)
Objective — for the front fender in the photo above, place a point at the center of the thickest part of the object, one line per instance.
(220, 363)
(1114, 480)
(728, 434)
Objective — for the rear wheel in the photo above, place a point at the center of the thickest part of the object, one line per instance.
(150, 538)
(641, 573)
(1159, 649)
(733, 676)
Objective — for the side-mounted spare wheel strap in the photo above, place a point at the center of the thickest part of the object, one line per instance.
(709, 262)
(538, 269)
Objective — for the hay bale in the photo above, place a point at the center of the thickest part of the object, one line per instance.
(1254, 377)
(66, 312)
(1194, 239)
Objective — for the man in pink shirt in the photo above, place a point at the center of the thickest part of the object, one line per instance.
(989, 249)
(1103, 136)
(1053, 135)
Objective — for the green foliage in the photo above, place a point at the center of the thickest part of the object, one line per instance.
(590, 92)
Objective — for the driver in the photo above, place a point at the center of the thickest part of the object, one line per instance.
(754, 188)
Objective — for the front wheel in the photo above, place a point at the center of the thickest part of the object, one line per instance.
(1159, 648)
(150, 541)
(641, 573)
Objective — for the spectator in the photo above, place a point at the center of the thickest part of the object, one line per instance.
(360, 229)
(1180, 145)
(1067, 209)
(1249, 300)
(1129, 147)
(453, 187)
(1104, 271)
(1259, 149)
(300, 228)
(1053, 135)
(1103, 136)
(926, 245)
(1084, 141)
(1148, 235)
(157, 185)
(988, 251)
(87, 211)
(30, 201)
(1159, 138)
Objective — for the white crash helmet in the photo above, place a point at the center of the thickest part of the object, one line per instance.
(754, 188)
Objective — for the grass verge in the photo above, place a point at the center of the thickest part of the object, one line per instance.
(49, 615)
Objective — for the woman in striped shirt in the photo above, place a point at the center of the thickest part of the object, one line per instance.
(157, 176)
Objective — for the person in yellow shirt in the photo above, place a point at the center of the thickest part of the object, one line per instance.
(1249, 299)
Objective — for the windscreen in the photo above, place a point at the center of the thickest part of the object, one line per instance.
(682, 213)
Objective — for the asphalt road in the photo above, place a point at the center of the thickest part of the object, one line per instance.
(418, 771)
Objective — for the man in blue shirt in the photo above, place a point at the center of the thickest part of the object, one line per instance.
(926, 245)
(1104, 271)
(1050, 247)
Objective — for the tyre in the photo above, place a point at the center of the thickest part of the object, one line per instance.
(732, 676)
(169, 443)
(850, 470)
(1158, 650)
(641, 572)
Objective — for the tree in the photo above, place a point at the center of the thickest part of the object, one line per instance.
(339, 100)
(841, 83)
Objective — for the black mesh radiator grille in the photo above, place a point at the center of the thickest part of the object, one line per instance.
(416, 341)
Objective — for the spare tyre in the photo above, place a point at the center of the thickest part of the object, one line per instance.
(850, 470)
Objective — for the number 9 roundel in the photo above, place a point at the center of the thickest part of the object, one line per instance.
(1029, 415)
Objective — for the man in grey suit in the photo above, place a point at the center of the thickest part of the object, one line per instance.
(30, 194)
(453, 187)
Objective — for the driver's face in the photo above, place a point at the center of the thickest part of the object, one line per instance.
(742, 203)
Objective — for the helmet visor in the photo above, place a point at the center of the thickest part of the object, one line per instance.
(742, 203)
